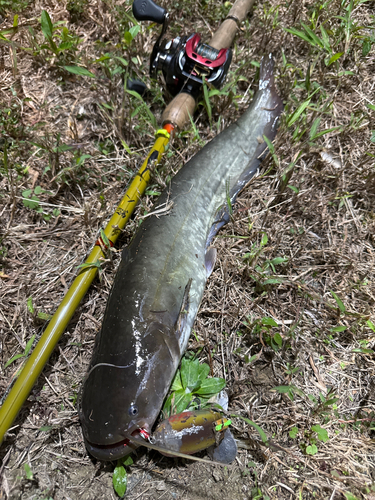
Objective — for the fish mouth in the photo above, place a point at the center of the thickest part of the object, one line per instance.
(110, 452)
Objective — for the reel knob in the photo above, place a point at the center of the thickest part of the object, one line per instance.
(147, 10)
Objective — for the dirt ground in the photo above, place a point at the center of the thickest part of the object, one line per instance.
(298, 359)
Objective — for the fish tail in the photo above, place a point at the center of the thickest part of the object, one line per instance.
(266, 77)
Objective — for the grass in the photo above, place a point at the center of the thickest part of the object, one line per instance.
(287, 318)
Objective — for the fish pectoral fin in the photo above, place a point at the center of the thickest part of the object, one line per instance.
(210, 259)
(182, 315)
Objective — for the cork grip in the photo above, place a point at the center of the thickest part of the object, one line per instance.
(178, 110)
(224, 36)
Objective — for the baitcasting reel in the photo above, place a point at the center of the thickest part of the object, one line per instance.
(184, 61)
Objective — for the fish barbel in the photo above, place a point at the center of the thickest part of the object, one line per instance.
(161, 279)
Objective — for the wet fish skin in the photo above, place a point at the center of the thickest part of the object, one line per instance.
(161, 279)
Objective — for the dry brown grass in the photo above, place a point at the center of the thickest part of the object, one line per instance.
(325, 230)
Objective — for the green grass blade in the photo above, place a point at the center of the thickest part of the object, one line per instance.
(339, 302)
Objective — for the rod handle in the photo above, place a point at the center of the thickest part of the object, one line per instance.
(178, 110)
(224, 36)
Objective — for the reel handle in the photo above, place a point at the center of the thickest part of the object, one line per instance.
(147, 10)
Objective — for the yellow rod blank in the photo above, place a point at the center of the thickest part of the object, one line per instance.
(47, 342)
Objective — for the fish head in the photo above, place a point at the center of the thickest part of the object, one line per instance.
(119, 400)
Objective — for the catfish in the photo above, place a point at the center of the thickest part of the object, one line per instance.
(161, 279)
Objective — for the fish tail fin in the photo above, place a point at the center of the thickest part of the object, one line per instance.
(266, 77)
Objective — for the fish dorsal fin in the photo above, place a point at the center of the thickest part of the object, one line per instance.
(210, 259)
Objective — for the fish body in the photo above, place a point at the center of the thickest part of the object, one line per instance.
(161, 279)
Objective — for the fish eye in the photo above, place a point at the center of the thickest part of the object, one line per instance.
(133, 410)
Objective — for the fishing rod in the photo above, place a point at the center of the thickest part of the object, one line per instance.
(185, 63)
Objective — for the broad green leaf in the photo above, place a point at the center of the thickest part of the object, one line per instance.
(182, 400)
(64, 46)
(322, 433)
(46, 22)
(254, 357)
(30, 201)
(338, 329)
(312, 449)
(277, 338)
(189, 373)
(293, 432)
(362, 350)
(78, 70)
(211, 386)
(44, 316)
(334, 58)
(264, 240)
(339, 302)
(29, 473)
(282, 389)
(122, 60)
(167, 410)
(203, 371)
(366, 47)
(127, 461)
(177, 383)
(120, 480)
(349, 496)
(279, 260)
(134, 30)
(128, 37)
(371, 106)
(371, 325)
(269, 322)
